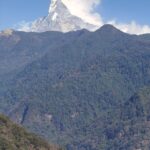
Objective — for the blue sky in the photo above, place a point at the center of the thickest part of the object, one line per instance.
(126, 10)
(14, 11)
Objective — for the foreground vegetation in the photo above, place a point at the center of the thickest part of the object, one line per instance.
(14, 137)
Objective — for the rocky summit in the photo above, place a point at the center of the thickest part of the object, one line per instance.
(60, 18)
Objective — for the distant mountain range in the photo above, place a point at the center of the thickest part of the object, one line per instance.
(82, 90)
(60, 18)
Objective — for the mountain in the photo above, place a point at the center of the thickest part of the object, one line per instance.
(145, 37)
(14, 137)
(76, 88)
(55, 21)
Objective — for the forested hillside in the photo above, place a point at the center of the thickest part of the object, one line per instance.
(77, 89)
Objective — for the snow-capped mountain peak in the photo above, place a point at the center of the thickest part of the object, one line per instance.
(59, 18)
(53, 6)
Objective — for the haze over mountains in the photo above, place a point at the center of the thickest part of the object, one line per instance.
(82, 90)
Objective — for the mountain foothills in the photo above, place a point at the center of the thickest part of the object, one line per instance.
(82, 90)
(13, 137)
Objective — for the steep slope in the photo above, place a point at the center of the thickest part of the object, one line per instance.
(74, 91)
(13, 137)
(23, 48)
(60, 19)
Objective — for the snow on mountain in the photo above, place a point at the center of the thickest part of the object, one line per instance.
(60, 19)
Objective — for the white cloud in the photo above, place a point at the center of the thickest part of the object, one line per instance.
(132, 27)
(23, 26)
(85, 9)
